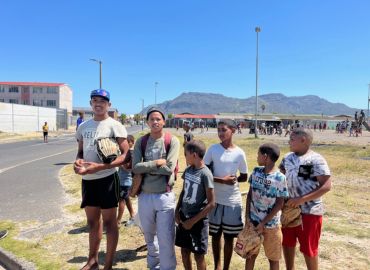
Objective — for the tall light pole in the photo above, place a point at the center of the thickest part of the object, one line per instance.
(155, 92)
(99, 62)
(368, 101)
(142, 116)
(257, 30)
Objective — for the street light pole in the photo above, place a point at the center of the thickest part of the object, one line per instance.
(257, 30)
(100, 70)
(368, 101)
(155, 92)
(142, 116)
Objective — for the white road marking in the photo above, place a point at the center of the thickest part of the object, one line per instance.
(37, 159)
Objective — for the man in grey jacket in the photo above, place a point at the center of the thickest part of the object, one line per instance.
(157, 201)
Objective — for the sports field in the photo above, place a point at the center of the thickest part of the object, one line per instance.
(346, 230)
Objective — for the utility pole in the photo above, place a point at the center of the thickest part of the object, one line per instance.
(257, 30)
(155, 93)
(142, 116)
(100, 70)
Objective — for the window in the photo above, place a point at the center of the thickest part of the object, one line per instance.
(36, 102)
(52, 90)
(26, 102)
(13, 89)
(25, 89)
(1, 100)
(15, 101)
(2, 89)
(51, 103)
(37, 90)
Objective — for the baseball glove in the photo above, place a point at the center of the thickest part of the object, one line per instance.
(107, 149)
(290, 216)
(248, 242)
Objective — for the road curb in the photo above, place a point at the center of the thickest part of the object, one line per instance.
(10, 262)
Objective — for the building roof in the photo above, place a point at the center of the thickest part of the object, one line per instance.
(189, 115)
(31, 83)
(89, 109)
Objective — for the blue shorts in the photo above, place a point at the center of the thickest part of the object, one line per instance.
(195, 239)
(124, 192)
(225, 219)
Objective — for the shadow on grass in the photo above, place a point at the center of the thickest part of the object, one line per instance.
(123, 255)
(83, 229)
(62, 163)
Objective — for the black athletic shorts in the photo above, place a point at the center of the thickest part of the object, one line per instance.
(103, 192)
(195, 239)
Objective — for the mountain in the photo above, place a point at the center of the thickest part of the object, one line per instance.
(207, 103)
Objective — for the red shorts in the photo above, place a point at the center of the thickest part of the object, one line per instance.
(308, 234)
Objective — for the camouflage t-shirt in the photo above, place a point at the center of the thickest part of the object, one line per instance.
(301, 173)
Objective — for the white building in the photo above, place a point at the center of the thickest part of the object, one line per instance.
(53, 95)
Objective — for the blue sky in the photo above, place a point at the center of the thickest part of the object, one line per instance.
(305, 47)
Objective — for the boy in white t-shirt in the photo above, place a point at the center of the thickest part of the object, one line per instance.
(225, 160)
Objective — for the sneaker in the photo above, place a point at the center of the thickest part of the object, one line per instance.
(130, 222)
(3, 234)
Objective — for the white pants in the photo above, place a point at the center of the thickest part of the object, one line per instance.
(157, 217)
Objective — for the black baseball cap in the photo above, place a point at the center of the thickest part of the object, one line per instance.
(155, 109)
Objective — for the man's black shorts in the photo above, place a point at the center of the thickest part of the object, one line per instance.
(195, 239)
(102, 193)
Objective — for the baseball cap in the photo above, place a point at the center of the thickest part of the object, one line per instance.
(100, 93)
(154, 109)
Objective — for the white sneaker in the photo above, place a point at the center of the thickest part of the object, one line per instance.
(130, 222)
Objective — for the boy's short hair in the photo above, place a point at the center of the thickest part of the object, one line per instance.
(302, 132)
(130, 138)
(271, 150)
(196, 146)
(227, 122)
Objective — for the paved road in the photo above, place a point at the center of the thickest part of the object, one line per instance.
(29, 185)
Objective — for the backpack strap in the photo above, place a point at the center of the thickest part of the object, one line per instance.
(167, 141)
(144, 142)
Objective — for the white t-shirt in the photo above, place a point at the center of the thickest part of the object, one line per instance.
(226, 162)
(91, 130)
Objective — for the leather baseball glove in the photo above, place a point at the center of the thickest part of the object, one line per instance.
(248, 242)
(290, 216)
(107, 149)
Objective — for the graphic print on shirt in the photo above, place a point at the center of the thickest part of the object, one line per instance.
(192, 183)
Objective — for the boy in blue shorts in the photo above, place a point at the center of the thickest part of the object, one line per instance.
(195, 201)
(308, 178)
(225, 159)
(125, 179)
(100, 183)
(268, 188)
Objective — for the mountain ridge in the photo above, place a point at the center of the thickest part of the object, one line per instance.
(272, 103)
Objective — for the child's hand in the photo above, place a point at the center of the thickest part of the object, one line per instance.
(78, 166)
(160, 162)
(187, 225)
(230, 180)
(259, 228)
(294, 202)
(89, 168)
